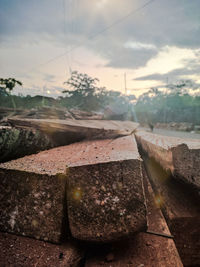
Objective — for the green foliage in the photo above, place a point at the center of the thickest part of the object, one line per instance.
(7, 85)
(83, 92)
(173, 105)
(182, 87)
(28, 102)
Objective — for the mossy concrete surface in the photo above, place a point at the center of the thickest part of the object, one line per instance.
(18, 142)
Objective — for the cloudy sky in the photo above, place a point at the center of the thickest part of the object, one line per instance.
(152, 41)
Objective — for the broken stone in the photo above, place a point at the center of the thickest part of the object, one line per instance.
(180, 156)
(99, 216)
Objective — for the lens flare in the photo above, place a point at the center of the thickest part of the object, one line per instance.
(158, 201)
(77, 194)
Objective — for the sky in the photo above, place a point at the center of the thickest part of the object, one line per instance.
(154, 42)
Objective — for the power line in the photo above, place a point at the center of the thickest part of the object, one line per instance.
(70, 23)
(73, 21)
(66, 34)
(93, 36)
(125, 88)
(76, 5)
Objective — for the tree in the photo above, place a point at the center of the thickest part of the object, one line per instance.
(7, 85)
(176, 103)
(83, 91)
(182, 87)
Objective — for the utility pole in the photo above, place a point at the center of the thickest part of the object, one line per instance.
(43, 95)
(165, 104)
(132, 110)
(125, 88)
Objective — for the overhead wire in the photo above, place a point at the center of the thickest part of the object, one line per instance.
(73, 10)
(75, 27)
(116, 22)
(67, 59)
(69, 5)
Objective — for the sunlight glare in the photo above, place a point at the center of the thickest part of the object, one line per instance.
(101, 3)
(77, 194)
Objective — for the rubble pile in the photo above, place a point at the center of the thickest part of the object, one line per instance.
(90, 203)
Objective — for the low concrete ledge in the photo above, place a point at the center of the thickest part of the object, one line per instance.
(180, 156)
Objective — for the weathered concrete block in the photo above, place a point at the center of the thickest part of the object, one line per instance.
(143, 249)
(180, 156)
(18, 142)
(23, 251)
(64, 132)
(105, 191)
(181, 209)
(32, 195)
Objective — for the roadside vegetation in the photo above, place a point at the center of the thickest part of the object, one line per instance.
(176, 103)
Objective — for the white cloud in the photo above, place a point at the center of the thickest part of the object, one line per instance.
(157, 39)
(139, 46)
(169, 58)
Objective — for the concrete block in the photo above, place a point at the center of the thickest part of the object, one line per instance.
(143, 249)
(23, 251)
(32, 195)
(181, 209)
(105, 196)
(180, 156)
(65, 132)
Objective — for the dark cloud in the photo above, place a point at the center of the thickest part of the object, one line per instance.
(120, 58)
(172, 23)
(49, 78)
(172, 75)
